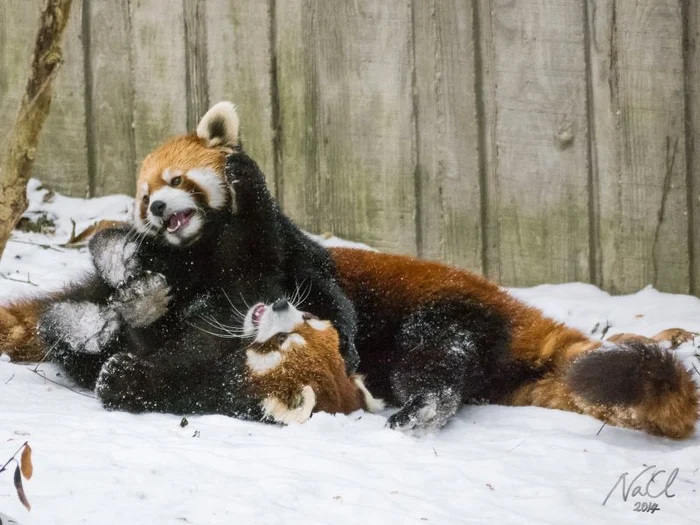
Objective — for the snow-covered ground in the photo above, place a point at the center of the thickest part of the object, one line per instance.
(490, 465)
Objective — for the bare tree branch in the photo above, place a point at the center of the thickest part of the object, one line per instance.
(22, 142)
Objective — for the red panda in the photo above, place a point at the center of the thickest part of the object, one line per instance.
(430, 336)
(497, 349)
(294, 365)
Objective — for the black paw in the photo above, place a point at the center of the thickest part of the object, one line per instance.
(240, 167)
(142, 300)
(113, 253)
(425, 412)
(123, 383)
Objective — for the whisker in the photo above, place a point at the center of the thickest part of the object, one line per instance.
(220, 335)
(241, 314)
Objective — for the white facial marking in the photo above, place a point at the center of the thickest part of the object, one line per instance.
(277, 410)
(211, 184)
(176, 200)
(169, 174)
(259, 363)
(293, 340)
(317, 324)
(271, 322)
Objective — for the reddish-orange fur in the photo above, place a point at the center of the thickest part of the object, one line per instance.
(18, 337)
(318, 364)
(406, 283)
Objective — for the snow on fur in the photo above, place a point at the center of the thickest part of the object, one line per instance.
(490, 464)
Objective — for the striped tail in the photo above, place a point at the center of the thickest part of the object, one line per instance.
(18, 330)
(632, 382)
(637, 385)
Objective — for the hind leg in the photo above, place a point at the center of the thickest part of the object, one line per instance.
(671, 338)
(447, 352)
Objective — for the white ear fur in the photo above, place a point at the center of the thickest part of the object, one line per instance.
(219, 125)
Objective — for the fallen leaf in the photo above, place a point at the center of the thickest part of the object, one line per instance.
(20, 490)
(26, 462)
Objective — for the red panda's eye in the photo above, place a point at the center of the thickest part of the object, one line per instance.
(176, 181)
(281, 338)
(145, 199)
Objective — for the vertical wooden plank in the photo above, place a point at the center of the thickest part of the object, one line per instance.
(636, 54)
(691, 47)
(62, 161)
(485, 68)
(296, 88)
(541, 134)
(19, 22)
(240, 70)
(158, 69)
(195, 14)
(449, 225)
(110, 103)
(345, 74)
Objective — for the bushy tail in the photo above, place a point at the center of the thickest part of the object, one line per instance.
(18, 330)
(629, 381)
(638, 385)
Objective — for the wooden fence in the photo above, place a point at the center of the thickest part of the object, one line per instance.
(531, 140)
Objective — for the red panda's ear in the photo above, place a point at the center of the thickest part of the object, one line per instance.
(219, 126)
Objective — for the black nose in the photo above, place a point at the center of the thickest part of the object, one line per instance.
(157, 208)
(280, 305)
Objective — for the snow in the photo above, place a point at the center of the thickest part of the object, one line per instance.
(491, 464)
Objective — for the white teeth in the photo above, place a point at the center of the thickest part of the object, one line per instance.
(177, 227)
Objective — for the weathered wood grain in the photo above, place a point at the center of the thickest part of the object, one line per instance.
(691, 46)
(637, 85)
(195, 13)
(110, 98)
(485, 65)
(62, 161)
(449, 196)
(541, 133)
(158, 68)
(348, 131)
(19, 22)
(240, 70)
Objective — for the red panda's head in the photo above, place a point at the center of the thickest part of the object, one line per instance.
(280, 328)
(182, 182)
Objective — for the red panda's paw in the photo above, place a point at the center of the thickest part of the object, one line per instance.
(279, 411)
(123, 383)
(675, 337)
(113, 253)
(426, 412)
(142, 300)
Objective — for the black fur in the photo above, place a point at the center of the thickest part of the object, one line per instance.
(434, 358)
(613, 376)
(172, 365)
(217, 127)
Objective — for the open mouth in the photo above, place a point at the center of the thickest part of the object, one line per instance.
(258, 312)
(179, 220)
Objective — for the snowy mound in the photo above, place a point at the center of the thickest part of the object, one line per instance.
(490, 465)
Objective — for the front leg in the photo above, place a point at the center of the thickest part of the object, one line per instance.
(129, 383)
(278, 410)
(140, 297)
(78, 335)
(143, 300)
(113, 253)
(251, 196)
